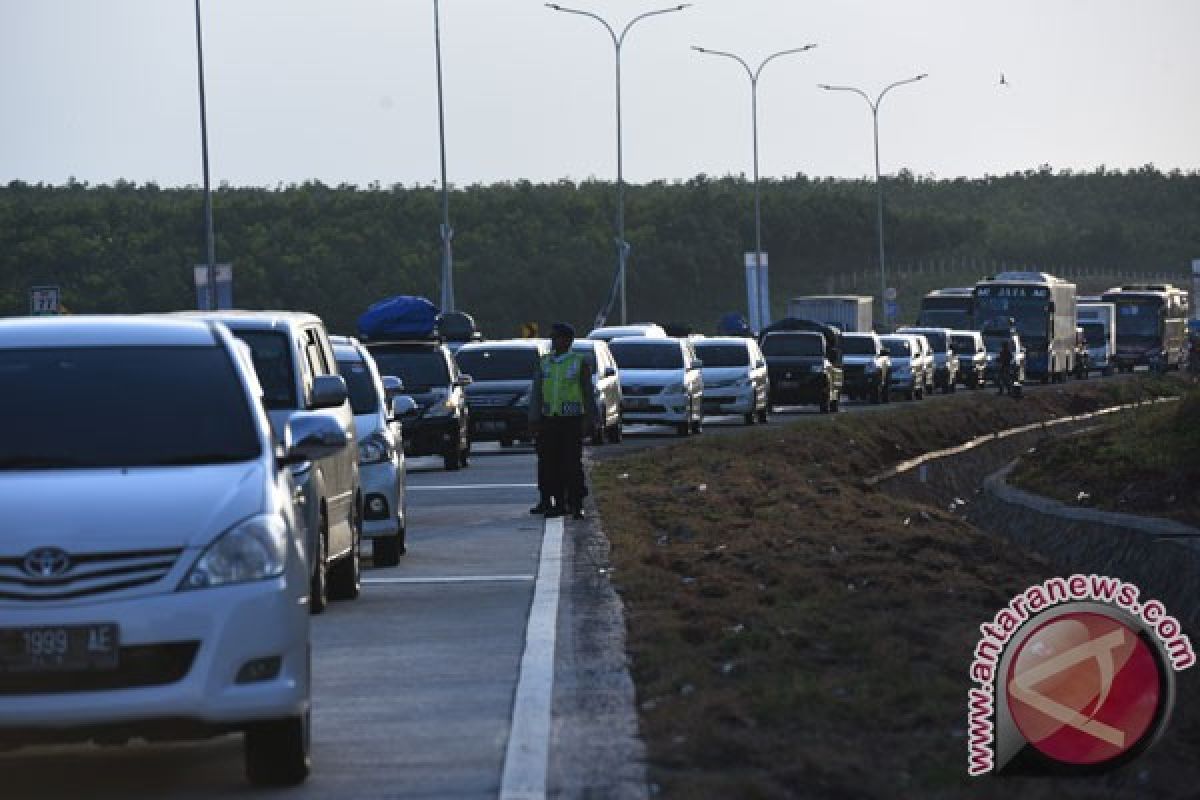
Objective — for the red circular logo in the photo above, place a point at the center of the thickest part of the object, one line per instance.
(1084, 688)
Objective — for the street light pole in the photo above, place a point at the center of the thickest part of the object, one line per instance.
(754, 76)
(618, 40)
(447, 233)
(874, 105)
(208, 213)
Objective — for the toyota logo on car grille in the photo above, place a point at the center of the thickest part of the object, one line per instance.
(46, 562)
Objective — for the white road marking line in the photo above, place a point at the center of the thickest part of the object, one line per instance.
(528, 756)
(473, 486)
(456, 579)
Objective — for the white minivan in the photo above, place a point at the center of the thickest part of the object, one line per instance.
(661, 382)
(153, 572)
(735, 377)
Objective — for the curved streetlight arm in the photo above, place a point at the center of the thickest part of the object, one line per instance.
(774, 56)
(889, 87)
(618, 40)
(856, 90)
(654, 13)
(749, 72)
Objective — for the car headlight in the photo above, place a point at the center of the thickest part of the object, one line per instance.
(441, 407)
(375, 449)
(252, 550)
(674, 388)
(523, 400)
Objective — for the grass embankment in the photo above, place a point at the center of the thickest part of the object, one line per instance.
(1146, 462)
(795, 634)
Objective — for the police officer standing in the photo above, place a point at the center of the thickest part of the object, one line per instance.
(560, 412)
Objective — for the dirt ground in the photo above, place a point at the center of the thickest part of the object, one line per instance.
(796, 633)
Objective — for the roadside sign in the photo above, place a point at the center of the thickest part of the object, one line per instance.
(224, 282)
(889, 293)
(44, 300)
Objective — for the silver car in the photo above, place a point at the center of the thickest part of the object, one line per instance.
(152, 558)
(735, 377)
(380, 450)
(295, 364)
(606, 383)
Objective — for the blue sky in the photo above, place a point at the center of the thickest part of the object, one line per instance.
(344, 90)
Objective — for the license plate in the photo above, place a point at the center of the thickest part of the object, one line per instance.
(789, 384)
(637, 402)
(66, 648)
(491, 426)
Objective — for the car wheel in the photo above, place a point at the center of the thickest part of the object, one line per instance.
(385, 551)
(464, 455)
(345, 578)
(318, 590)
(450, 460)
(952, 386)
(598, 436)
(824, 405)
(835, 405)
(698, 425)
(277, 751)
(506, 442)
(764, 415)
(614, 432)
(749, 418)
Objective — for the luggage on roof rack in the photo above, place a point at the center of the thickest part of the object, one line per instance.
(399, 317)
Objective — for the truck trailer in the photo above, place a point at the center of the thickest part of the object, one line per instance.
(847, 312)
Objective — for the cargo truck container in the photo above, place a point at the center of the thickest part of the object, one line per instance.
(848, 313)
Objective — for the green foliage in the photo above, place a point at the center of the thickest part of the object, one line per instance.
(528, 252)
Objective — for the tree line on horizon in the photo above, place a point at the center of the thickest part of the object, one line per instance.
(527, 252)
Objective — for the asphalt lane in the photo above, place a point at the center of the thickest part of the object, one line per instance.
(413, 682)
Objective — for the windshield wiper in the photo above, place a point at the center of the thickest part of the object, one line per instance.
(195, 459)
(31, 461)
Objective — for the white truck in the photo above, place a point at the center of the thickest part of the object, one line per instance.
(1099, 323)
(849, 313)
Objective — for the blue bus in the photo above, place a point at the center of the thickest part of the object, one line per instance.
(1041, 308)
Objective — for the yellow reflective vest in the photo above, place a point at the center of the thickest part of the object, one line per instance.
(562, 393)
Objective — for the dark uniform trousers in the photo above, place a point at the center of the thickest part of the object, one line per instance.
(560, 460)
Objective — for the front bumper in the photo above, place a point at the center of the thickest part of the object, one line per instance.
(801, 390)
(494, 424)
(430, 436)
(729, 401)
(659, 408)
(228, 626)
(381, 498)
(944, 376)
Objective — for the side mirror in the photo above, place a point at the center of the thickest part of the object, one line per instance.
(404, 407)
(759, 364)
(464, 380)
(328, 391)
(885, 351)
(392, 386)
(697, 364)
(610, 372)
(311, 437)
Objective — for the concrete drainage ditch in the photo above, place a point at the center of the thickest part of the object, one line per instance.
(1161, 556)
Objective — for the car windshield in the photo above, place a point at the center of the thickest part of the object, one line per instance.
(1094, 334)
(123, 407)
(360, 383)
(1138, 319)
(859, 346)
(937, 341)
(647, 356)
(898, 347)
(794, 344)
(420, 370)
(273, 363)
(963, 344)
(723, 355)
(994, 343)
(499, 364)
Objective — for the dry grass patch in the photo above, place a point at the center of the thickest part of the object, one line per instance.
(794, 633)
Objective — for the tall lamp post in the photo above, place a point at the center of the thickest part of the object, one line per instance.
(446, 231)
(208, 214)
(754, 74)
(878, 186)
(619, 40)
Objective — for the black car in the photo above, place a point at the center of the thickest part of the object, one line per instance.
(803, 369)
(432, 378)
(502, 373)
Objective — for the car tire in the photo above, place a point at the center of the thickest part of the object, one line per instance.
(614, 432)
(345, 578)
(450, 460)
(698, 425)
(506, 442)
(764, 415)
(386, 550)
(824, 406)
(464, 455)
(683, 428)
(598, 436)
(835, 405)
(318, 590)
(277, 751)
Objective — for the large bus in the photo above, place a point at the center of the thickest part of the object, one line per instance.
(1041, 308)
(1151, 325)
(948, 308)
